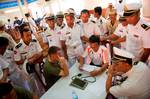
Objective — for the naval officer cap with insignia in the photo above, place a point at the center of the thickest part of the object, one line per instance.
(131, 9)
(50, 16)
(60, 14)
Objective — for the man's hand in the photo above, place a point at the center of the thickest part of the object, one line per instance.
(84, 39)
(62, 61)
(94, 73)
(36, 58)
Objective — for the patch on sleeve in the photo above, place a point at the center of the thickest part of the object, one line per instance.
(93, 21)
(19, 45)
(145, 27)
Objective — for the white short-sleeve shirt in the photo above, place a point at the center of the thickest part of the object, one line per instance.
(23, 51)
(136, 86)
(137, 39)
(101, 22)
(52, 37)
(90, 28)
(121, 31)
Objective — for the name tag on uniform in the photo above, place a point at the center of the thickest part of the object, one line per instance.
(67, 33)
(136, 36)
(49, 35)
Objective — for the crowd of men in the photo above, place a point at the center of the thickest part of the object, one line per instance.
(34, 55)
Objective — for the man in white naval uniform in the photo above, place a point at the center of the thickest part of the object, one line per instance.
(100, 21)
(52, 35)
(89, 27)
(136, 86)
(29, 51)
(71, 39)
(138, 33)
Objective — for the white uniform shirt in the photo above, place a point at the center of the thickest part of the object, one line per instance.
(72, 38)
(136, 86)
(90, 28)
(101, 22)
(137, 39)
(3, 65)
(121, 31)
(52, 37)
(23, 51)
(60, 27)
(98, 58)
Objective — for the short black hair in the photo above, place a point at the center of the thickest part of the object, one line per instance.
(5, 89)
(98, 10)
(3, 41)
(27, 14)
(53, 50)
(85, 11)
(94, 39)
(24, 30)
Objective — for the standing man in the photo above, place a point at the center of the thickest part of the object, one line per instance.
(112, 22)
(52, 36)
(60, 20)
(71, 39)
(29, 52)
(137, 38)
(100, 21)
(117, 37)
(89, 27)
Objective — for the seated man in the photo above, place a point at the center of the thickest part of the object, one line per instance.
(7, 91)
(55, 66)
(95, 55)
(134, 84)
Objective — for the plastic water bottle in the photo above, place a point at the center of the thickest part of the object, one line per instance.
(74, 95)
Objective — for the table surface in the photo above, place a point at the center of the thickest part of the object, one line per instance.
(62, 90)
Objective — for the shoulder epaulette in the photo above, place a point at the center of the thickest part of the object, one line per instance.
(33, 40)
(93, 21)
(19, 45)
(78, 22)
(62, 26)
(101, 21)
(145, 27)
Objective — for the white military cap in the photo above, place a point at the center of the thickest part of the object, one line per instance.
(122, 55)
(2, 23)
(131, 8)
(69, 12)
(60, 14)
(50, 16)
(122, 18)
(113, 12)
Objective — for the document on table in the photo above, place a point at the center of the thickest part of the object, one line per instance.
(89, 68)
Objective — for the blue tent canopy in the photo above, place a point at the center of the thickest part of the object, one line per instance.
(12, 3)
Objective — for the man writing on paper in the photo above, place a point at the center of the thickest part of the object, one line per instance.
(95, 55)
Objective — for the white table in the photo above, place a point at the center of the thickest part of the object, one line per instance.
(62, 90)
